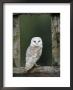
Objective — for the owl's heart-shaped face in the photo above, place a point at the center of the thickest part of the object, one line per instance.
(36, 41)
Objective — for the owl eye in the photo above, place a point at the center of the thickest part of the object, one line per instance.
(35, 41)
(39, 41)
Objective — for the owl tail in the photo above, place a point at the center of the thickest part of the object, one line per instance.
(28, 67)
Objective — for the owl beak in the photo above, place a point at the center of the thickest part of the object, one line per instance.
(36, 44)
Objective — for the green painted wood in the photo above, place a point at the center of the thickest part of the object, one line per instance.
(36, 25)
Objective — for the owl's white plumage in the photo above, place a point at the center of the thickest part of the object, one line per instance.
(33, 52)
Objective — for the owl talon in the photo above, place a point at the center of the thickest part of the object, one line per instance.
(37, 65)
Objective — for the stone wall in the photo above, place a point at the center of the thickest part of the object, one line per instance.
(16, 41)
(55, 27)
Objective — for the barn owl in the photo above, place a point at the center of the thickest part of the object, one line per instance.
(33, 52)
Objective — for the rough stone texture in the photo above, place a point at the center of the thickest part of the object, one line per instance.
(16, 42)
(41, 71)
(55, 27)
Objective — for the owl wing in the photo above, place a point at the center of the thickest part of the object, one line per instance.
(29, 59)
(39, 53)
(32, 58)
(29, 64)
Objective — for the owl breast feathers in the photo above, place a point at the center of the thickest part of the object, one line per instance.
(33, 52)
